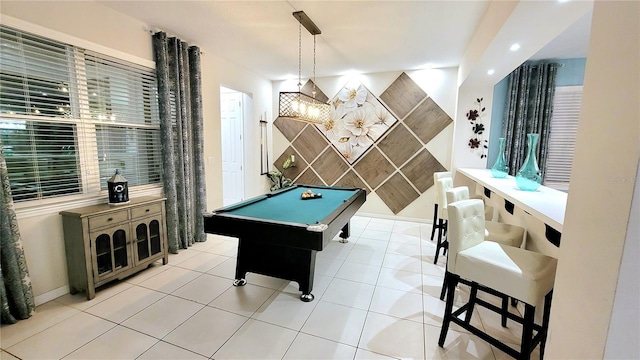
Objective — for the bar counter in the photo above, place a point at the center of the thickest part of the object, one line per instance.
(541, 212)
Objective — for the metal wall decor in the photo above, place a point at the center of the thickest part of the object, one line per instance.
(477, 142)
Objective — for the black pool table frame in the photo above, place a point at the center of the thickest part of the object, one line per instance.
(285, 250)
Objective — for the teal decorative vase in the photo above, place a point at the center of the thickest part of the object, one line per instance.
(500, 169)
(528, 177)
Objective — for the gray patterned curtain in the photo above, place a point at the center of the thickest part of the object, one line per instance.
(528, 110)
(181, 132)
(15, 286)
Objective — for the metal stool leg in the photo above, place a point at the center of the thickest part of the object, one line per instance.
(527, 332)
(448, 310)
(441, 244)
(435, 221)
(545, 322)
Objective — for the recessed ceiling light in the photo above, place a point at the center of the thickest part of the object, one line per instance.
(514, 47)
(491, 72)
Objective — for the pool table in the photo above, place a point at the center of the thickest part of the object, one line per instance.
(280, 232)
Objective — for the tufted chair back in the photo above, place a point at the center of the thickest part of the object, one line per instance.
(442, 186)
(457, 194)
(466, 228)
(437, 176)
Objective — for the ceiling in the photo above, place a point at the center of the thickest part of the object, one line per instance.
(357, 36)
(572, 43)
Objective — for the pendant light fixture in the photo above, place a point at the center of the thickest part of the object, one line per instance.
(296, 105)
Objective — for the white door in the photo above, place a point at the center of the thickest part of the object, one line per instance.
(231, 111)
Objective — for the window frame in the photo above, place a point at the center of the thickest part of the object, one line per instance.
(47, 205)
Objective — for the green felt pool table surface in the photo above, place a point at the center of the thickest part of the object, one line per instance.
(288, 205)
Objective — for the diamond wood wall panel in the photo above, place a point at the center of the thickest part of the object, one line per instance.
(350, 179)
(398, 167)
(399, 145)
(310, 143)
(307, 89)
(308, 177)
(428, 120)
(420, 169)
(330, 166)
(374, 168)
(289, 128)
(403, 95)
(291, 172)
(397, 193)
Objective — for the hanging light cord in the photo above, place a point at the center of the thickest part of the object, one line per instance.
(299, 56)
(314, 67)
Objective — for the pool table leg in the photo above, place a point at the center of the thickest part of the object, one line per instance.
(241, 271)
(305, 275)
(307, 297)
(344, 234)
(288, 263)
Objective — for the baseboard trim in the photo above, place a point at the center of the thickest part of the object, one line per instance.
(51, 295)
(394, 217)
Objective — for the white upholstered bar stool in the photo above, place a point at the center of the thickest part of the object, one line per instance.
(506, 234)
(522, 274)
(439, 225)
(443, 185)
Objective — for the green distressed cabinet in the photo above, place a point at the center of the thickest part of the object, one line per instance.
(105, 242)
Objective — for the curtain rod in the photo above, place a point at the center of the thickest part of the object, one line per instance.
(153, 30)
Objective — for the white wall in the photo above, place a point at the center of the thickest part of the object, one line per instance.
(624, 330)
(492, 22)
(91, 25)
(602, 181)
(216, 72)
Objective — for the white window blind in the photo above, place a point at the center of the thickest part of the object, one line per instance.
(70, 117)
(122, 102)
(562, 137)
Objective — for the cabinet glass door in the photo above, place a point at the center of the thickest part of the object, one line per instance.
(111, 251)
(142, 241)
(154, 237)
(103, 254)
(120, 249)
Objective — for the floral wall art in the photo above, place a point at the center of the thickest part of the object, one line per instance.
(357, 120)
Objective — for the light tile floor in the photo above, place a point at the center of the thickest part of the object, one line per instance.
(376, 297)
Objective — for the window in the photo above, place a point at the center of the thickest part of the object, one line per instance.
(562, 136)
(70, 117)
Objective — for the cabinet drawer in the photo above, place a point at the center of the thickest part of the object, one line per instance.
(108, 219)
(148, 209)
